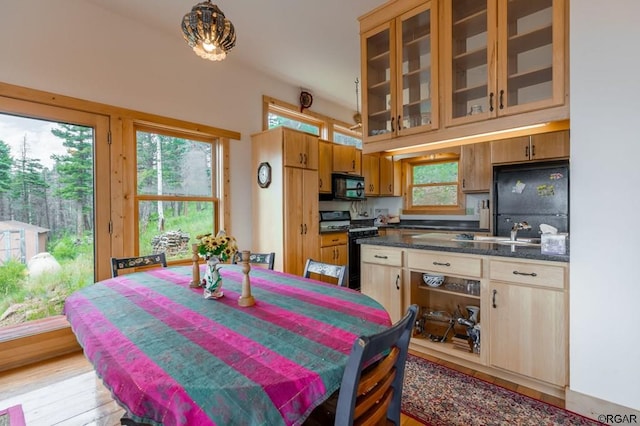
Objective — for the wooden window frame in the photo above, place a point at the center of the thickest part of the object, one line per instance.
(446, 157)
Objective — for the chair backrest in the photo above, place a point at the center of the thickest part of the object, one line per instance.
(267, 259)
(371, 388)
(118, 263)
(327, 269)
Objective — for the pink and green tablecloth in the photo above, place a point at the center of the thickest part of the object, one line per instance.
(171, 357)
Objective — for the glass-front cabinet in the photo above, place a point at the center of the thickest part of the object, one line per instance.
(400, 74)
(502, 57)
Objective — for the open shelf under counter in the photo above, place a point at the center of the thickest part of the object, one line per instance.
(453, 291)
(445, 347)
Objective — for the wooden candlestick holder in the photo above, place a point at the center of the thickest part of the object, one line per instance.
(246, 299)
(195, 281)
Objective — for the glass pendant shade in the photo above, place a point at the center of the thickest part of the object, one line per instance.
(209, 33)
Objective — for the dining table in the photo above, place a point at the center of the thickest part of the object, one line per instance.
(171, 357)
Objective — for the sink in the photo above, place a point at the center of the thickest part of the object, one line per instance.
(507, 241)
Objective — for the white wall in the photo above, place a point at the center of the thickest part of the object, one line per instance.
(73, 48)
(605, 177)
(82, 51)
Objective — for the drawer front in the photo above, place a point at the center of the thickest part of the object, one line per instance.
(446, 263)
(381, 256)
(333, 239)
(528, 273)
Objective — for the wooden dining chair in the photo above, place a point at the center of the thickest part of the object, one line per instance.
(119, 263)
(338, 272)
(371, 388)
(267, 259)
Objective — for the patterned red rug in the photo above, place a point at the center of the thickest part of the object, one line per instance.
(439, 396)
(12, 416)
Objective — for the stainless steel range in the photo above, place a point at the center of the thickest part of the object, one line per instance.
(336, 221)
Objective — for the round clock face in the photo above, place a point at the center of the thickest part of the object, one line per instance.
(264, 175)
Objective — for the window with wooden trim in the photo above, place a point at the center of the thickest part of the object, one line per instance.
(433, 185)
(175, 203)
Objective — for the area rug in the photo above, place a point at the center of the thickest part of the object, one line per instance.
(12, 416)
(439, 396)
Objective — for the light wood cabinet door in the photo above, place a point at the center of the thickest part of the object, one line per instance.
(336, 255)
(476, 167)
(502, 57)
(383, 284)
(344, 158)
(390, 172)
(325, 166)
(528, 331)
(300, 149)
(301, 218)
(371, 173)
(400, 70)
(543, 146)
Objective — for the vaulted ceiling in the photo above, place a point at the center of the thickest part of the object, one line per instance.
(313, 44)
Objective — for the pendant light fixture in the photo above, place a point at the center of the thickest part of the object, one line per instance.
(209, 33)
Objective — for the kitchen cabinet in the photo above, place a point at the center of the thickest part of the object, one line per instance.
(285, 213)
(325, 166)
(382, 278)
(345, 159)
(475, 160)
(334, 249)
(528, 319)
(399, 69)
(371, 174)
(502, 57)
(543, 146)
(390, 175)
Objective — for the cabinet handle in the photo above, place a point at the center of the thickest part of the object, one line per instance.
(493, 299)
(399, 125)
(335, 240)
(392, 128)
(377, 256)
(353, 164)
(305, 158)
(390, 188)
(501, 96)
(305, 228)
(320, 185)
(464, 181)
(300, 160)
(301, 229)
(533, 151)
(491, 101)
(526, 151)
(398, 282)
(529, 274)
(441, 264)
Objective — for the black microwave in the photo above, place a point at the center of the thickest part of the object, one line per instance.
(347, 187)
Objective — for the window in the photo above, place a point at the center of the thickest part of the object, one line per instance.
(175, 203)
(432, 185)
(278, 113)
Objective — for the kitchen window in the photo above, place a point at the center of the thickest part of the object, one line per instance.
(433, 185)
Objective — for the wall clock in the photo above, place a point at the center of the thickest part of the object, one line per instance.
(264, 175)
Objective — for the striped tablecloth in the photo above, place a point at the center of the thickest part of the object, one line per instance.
(171, 357)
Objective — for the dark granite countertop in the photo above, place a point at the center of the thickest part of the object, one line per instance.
(438, 225)
(438, 242)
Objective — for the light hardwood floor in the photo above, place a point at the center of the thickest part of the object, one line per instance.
(66, 391)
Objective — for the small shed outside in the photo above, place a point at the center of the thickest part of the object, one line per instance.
(22, 241)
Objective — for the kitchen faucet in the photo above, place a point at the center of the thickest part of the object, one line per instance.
(516, 227)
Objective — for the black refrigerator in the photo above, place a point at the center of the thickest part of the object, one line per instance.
(534, 193)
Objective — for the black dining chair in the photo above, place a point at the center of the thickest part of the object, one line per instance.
(267, 259)
(371, 388)
(119, 263)
(338, 272)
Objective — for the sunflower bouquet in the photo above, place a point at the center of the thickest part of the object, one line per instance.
(222, 246)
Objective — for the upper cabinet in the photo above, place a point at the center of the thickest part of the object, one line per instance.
(476, 167)
(345, 159)
(502, 57)
(390, 174)
(371, 174)
(325, 164)
(543, 146)
(399, 70)
(300, 149)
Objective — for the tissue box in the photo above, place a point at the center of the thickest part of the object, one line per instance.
(554, 243)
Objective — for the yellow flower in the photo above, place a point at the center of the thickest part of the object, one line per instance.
(221, 245)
